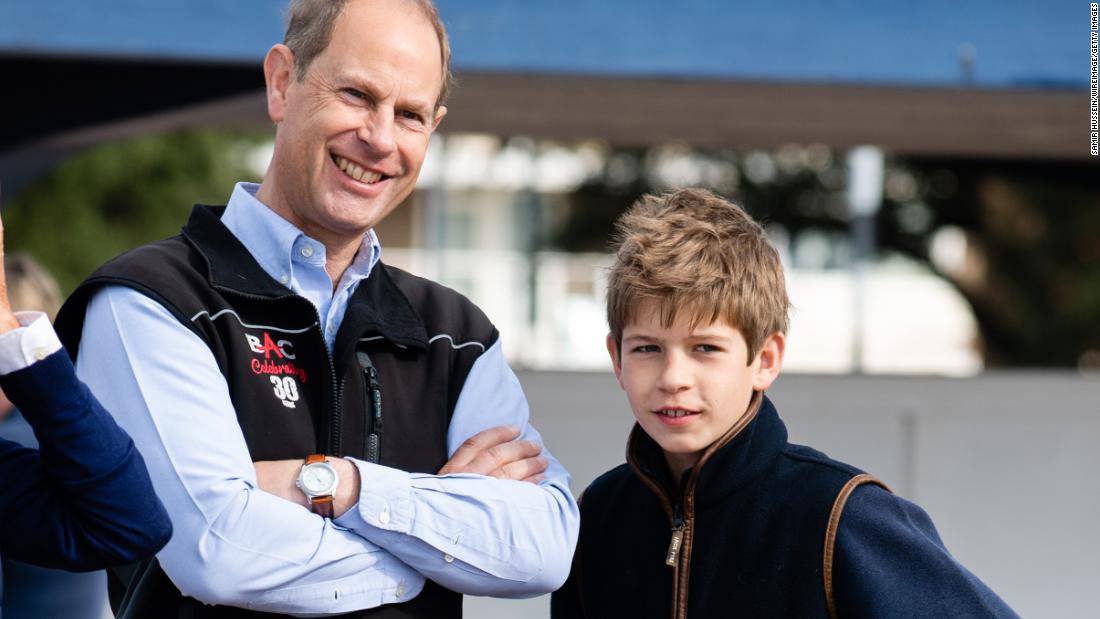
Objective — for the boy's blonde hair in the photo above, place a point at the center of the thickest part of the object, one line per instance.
(697, 255)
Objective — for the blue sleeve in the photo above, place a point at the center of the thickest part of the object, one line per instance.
(891, 562)
(84, 500)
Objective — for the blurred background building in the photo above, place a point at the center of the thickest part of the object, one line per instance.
(923, 168)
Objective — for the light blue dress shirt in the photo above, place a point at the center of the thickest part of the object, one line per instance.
(237, 545)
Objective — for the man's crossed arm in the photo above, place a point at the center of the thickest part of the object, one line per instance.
(473, 527)
(497, 452)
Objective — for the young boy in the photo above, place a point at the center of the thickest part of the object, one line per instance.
(715, 514)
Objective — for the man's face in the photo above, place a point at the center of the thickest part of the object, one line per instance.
(687, 387)
(353, 132)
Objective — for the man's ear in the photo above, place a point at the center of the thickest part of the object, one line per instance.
(768, 361)
(616, 362)
(278, 73)
(439, 114)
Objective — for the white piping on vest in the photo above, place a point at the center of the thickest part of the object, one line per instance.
(453, 344)
(244, 324)
(432, 339)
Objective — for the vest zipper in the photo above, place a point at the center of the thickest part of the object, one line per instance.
(337, 387)
(374, 419)
(333, 447)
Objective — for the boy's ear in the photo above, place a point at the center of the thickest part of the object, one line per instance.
(278, 73)
(768, 362)
(616, 362)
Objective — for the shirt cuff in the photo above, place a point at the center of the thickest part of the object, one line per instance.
(30, 343)
(385, 499)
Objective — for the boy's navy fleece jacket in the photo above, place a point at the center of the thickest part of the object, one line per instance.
(753, 515)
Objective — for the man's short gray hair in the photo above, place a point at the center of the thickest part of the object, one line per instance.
(309, 30)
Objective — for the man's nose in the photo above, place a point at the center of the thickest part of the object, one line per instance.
(378, 131)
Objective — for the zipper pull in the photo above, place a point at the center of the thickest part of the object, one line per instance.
(677, 537)
(374, 423)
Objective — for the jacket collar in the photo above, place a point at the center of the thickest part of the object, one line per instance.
(377, 307)
(732, 462)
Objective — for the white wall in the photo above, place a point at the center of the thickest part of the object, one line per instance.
(1005, 463)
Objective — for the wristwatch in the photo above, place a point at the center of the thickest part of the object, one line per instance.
(318, 481)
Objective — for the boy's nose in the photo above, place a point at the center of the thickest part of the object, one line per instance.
(675, 375)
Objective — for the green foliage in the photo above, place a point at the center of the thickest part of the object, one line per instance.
(105, 201)
(1036, 228)
(1032, 271)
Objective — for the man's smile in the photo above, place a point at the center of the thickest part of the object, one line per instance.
(357, 171)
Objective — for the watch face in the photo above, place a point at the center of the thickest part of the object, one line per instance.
(318, 479)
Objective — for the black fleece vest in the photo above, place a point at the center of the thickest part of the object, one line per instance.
(759, 512)
(292, 396)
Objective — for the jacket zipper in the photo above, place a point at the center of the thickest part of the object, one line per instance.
(374, 419)
(673, 555)
(686, 510)
(682, 511)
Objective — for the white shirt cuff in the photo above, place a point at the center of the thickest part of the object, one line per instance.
(34, 341)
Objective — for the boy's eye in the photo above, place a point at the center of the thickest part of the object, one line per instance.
(646, 348)
(707, 348)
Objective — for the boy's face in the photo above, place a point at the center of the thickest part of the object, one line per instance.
(687, 387)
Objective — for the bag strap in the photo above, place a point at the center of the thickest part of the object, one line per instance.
(834, 524)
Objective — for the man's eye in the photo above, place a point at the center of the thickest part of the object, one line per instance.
(357, 94)
(413, 116)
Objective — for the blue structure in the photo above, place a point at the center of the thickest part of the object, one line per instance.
(925, 78)
(1015, 44)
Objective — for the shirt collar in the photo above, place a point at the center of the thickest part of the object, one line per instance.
(273, 240)
(378, 305)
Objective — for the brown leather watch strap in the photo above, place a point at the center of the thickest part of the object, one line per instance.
(322, 506)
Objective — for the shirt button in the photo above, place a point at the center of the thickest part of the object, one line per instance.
(40, 353)
(384, 517)
(307, 251)
(284, 279)
(448, 558)
(400, 589)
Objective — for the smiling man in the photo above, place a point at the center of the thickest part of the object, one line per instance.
(330, 434)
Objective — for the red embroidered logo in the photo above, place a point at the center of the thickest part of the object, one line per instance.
(277, 364)
(282, 348)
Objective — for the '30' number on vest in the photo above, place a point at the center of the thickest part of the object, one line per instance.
(286, 389)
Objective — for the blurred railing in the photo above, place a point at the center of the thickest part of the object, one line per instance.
(549, 308)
